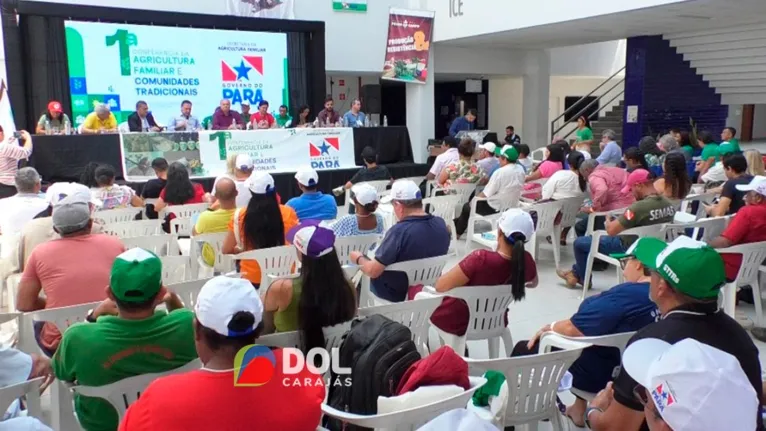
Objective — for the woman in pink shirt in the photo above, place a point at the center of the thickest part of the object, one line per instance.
(605, 184)
(554, 162)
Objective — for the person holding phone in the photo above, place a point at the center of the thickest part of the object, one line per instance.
(15, 148)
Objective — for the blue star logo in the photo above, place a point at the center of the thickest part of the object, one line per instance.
(242, 71)
(324, 147)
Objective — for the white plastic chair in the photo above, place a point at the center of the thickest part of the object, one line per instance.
(333, 337)
(702, 198)
(345, 245)
(549, 340)
(533, 383)
(224, 263)
(570, 207)
(416, 180)
(753, 255)
(131, 229)
(487, 306)
(537, 155)
(464, 191)
(188, 291)
(500, 202)
(148, 202)
(274, 261)
(123, 127)
(161, 245)
(176, 269)
(416, 315)
(120, 215)
(410, 419)
(444, 208)
(181, 225)
(655, 231)
(123, 393)
(546, 218)
(704, 229)
(419, 271)
(29, 388)
(381, 187)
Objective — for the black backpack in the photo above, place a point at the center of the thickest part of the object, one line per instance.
(378, 351)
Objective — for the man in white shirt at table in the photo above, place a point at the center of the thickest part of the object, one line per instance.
(445, 158)
(185, 122)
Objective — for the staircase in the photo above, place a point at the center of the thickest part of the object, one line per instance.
(732, 60)
(612, 119)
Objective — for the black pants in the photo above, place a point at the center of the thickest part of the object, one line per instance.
(7, 191)
(482, 208)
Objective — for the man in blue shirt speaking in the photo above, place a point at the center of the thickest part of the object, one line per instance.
(355, 117)
(312, 204)
(463, 123)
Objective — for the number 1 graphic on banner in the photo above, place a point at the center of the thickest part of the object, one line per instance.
(124, 40)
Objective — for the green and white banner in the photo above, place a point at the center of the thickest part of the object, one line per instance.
(350, 5)
(205, 152)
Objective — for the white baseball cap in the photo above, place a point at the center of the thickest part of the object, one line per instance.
(243, 162)
(403, 190)
(245, 102)
(78, 192)
(307, 177)
(223, 297)
(489, 146)
(693, 386)
(261, 183)
(364, 193)
(757, 184)
(515, 220)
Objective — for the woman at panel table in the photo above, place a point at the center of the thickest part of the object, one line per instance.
(304, 117)
(53, 117)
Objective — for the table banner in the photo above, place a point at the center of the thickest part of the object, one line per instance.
(409, 39)
(205, 152)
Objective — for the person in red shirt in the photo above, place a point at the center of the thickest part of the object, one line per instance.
(179, 189)
(263, 119)
(228, 318)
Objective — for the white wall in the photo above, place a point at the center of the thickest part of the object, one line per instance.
(472, 61)
(594, 59)
(344, 94)
(759, 122)
(505, 104)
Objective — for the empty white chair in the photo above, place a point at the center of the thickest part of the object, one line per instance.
(464, 191)
(188, 291)
(416, 180)
(410, 419)
(345, 245)
(533, 382)
(704, 229)
(500, 202)
(119, 215)
(176, 269)
(161, 245)
(487, 306)
(537, 155)
(224, 263)
(701, 198)
(419, 271)
(415, 315)
(275, 261)
(752, 256)
(123, 127)
(181, 224)
(546, 218)
(132, 229)
(570, 207)
(123, 393)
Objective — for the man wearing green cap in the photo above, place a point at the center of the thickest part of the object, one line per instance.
(686, 276)
(506, 179)
(128, 338)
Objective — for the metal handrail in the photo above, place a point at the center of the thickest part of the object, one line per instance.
(585, 109)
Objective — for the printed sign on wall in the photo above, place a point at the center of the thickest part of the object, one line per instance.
(409, 39)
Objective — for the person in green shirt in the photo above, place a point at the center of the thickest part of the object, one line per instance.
(207, 122)
(728, 135)
(245, 114)
(128, 338)
(284, 120)
(55, 118)
(709, 155)
(584, 134)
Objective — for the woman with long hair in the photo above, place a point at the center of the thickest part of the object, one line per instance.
(510, 264)
(304, 119)
(675, 182)
(754, 162)
(584, 134)
(179, 189)
(554, 162)
(263, 224)
(320, 296)
(634, 159)
(88, 176)
(364, 220)
(686, 144)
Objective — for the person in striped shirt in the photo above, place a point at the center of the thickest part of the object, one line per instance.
(11, 151)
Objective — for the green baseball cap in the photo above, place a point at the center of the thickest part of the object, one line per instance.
(510, 154)
(136, 276)
(691, 267)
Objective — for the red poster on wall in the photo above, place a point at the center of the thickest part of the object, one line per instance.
(409, 39)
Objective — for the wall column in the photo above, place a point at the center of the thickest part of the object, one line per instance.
(537, 81)
(420, 113)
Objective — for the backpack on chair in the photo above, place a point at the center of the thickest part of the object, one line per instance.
(379, 351)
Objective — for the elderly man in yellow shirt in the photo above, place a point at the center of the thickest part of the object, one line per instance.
(218, 220)
(101, 120)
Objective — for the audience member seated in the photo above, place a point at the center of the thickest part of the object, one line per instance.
(524, 159)
(111, 195)
(754, 162)
(675, 183)
(607, 192)
(506, 180)
(509, 265)
(263, 224)
(651, 150)
(154, 187)
(217, 220)
(728, 137)
(364, 221)
(17, 367)
(125, 336)
(685, 145)
(88, 176)
(71, 270)
(566, 183)
(731, 199)
(179, 189)
(487, 160)
(464, 170)
(17, 210)
(417, 235)
(709, 155)
(625, 307)
(312, 204)
(666, 144)
(228, 315)
(243, 169)
(554, 162)
(717, 173)
(371, 171)
(650, 208)
(611, 152)
(634, 159)
(320, 296)
(686, 277)
(690, 385)
(445, 158)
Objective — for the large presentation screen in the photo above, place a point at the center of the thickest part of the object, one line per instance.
(121, 64)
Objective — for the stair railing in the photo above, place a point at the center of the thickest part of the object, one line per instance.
(582, 111)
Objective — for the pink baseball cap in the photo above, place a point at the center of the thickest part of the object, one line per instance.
(639, 176)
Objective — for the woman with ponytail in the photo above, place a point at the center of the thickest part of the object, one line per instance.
(509, 265)
(320, 296)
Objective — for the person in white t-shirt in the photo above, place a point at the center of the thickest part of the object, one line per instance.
(505, 180)
(17, 210)
(243, 169)
(566, 183)
(444, 159)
